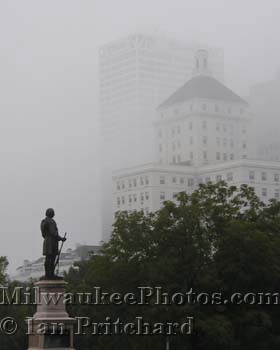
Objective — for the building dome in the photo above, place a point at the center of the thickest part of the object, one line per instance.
(203, 87)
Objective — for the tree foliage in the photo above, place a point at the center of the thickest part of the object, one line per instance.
(217, 239)
(18, 340)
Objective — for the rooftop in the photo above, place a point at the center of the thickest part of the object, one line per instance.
(205, 87)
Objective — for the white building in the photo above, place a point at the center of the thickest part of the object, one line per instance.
(147, 186)
(265, 101)
(205, 132)
(136, 74)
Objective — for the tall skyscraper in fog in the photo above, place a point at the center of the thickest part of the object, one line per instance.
(136, 74)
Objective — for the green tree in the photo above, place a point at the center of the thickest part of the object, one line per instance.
(218, 239)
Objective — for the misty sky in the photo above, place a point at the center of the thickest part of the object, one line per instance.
(48, 82)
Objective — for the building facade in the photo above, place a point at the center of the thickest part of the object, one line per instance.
(204, 132)
(147, 186)
(136, 74)
(265, 101)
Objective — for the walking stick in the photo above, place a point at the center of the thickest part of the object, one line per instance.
(58, 256)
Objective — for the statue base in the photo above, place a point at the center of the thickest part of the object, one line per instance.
(50, 327)
(54, 278)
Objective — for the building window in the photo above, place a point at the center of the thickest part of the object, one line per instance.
(204, 155)
(205, 140)
(141, 181)
(174, 179)
(174, 195)
(147, 180)
(134, 182)
(162, 180)
(129, 199)
(205, 63)
(129, 183)
(244, 156)
(142, 197)
(264, 177)
(191, 140)
(118, 201)
(276, 177)
(123, 185)
(218, 127)
(244, 145)
(225, 142)
(147, 196)
(190, 182)
(118, 186)
(251, 175)
(204, 124)
(218, 141)
(231, 156)
(224, 127)
(162, 196)
(229, 176)
(190, 125)
(204, 107)
(178, 158)
(135, 197)
(182, 180)
(264, 192)
(277, 194)
(207, 179)
(218, 156)
(218, 178)
(191, 155)
(225, 156)
(123, 200)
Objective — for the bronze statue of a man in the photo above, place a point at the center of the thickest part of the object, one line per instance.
(51, 238)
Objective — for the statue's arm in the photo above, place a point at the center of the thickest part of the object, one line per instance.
(59, 238)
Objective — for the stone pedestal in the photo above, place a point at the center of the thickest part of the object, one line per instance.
(50, 327)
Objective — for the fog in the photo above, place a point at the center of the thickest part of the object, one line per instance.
(49, 137)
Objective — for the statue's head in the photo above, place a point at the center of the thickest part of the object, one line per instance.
(50, 213)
